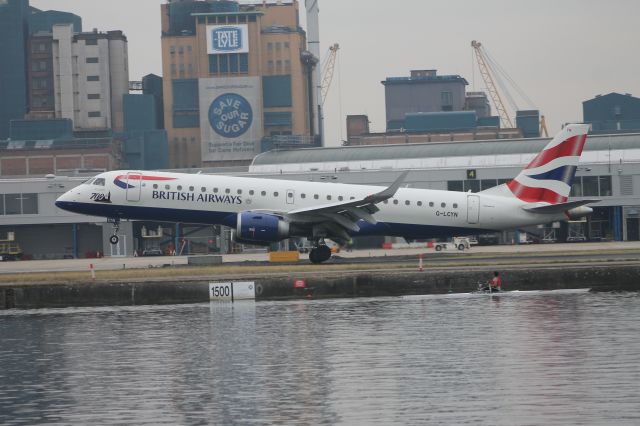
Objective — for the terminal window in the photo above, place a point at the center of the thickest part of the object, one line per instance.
(474, 185)
(14, 204)
(590, 186)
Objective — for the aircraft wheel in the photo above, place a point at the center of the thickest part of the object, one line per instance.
(320, 254)
(114, 239)
(313, 256)
(461, 247)
(438, 247)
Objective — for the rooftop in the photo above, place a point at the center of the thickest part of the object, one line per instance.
(437, 150)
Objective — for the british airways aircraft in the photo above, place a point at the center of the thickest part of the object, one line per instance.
(263, 211)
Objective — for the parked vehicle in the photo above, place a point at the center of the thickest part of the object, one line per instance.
(460, 243)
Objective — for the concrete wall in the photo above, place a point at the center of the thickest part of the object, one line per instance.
(326, 285)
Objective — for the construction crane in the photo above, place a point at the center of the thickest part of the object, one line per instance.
(481, 58)
(543, 127)
(327, 71)
(493, 73)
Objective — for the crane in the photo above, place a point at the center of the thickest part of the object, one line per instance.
(327, 70)
(491, 87)
(493, 73)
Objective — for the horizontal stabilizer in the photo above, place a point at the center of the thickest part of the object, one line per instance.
(557, 208)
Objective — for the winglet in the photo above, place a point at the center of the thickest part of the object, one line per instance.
(390, 191)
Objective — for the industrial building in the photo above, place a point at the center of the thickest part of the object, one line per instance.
(428, 107)
(90, 89)
(234, 77)
(79, 114)
(612, 113)
(13, 75)
(56, 71)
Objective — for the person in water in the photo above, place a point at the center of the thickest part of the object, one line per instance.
(495, 284)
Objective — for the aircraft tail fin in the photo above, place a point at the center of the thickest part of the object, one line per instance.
(548, 177)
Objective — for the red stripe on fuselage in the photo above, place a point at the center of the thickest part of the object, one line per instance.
(534, 195)
(571, 147)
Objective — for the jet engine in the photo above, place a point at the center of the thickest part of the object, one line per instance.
(579, 212)
(260, 228)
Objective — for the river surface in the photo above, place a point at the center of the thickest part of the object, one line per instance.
(543, 358)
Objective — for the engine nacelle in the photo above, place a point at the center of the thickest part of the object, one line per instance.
(579, 212)
(260, 228)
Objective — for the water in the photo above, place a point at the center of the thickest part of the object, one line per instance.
(531, 359)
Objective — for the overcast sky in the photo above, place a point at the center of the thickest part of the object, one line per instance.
(559, 52)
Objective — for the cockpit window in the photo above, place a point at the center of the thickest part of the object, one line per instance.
(99, 181)
(87, 182)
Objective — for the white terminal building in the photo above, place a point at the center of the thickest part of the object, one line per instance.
(609, 170)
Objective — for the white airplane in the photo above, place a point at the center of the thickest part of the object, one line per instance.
(263, 211)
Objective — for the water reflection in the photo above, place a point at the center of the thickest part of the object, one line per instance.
(537, 359)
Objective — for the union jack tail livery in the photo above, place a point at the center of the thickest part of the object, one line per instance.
(549, 176)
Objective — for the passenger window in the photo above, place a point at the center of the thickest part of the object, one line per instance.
(191, 188)
(395, 201)
(316, 196)
(303, 196)
(263, 193)
(179, 188)
(290, 194)
(455, 206)
(239, 191)
(99, 182)
(443, 205)
(352, 198)
(340, 198)
(215, 190)
(430, 203)
(386, 201)
(275, 194)
(167, 187)
(203, 189)
(251, 192)
(155, 186)
(228, 191)
(419, 203)
(407, 202)
(328, 197)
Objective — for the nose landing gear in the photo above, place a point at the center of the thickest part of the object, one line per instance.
(116, 227)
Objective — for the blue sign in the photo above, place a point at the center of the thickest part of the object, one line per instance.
(230, 115)
(226, 39)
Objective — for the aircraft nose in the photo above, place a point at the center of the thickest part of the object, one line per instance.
(65, 201)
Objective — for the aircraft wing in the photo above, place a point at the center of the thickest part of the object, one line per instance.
(335, 219)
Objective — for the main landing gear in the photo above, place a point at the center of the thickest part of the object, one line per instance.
(320, 252)
(116, 227)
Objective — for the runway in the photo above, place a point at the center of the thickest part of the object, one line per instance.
(624, 252)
